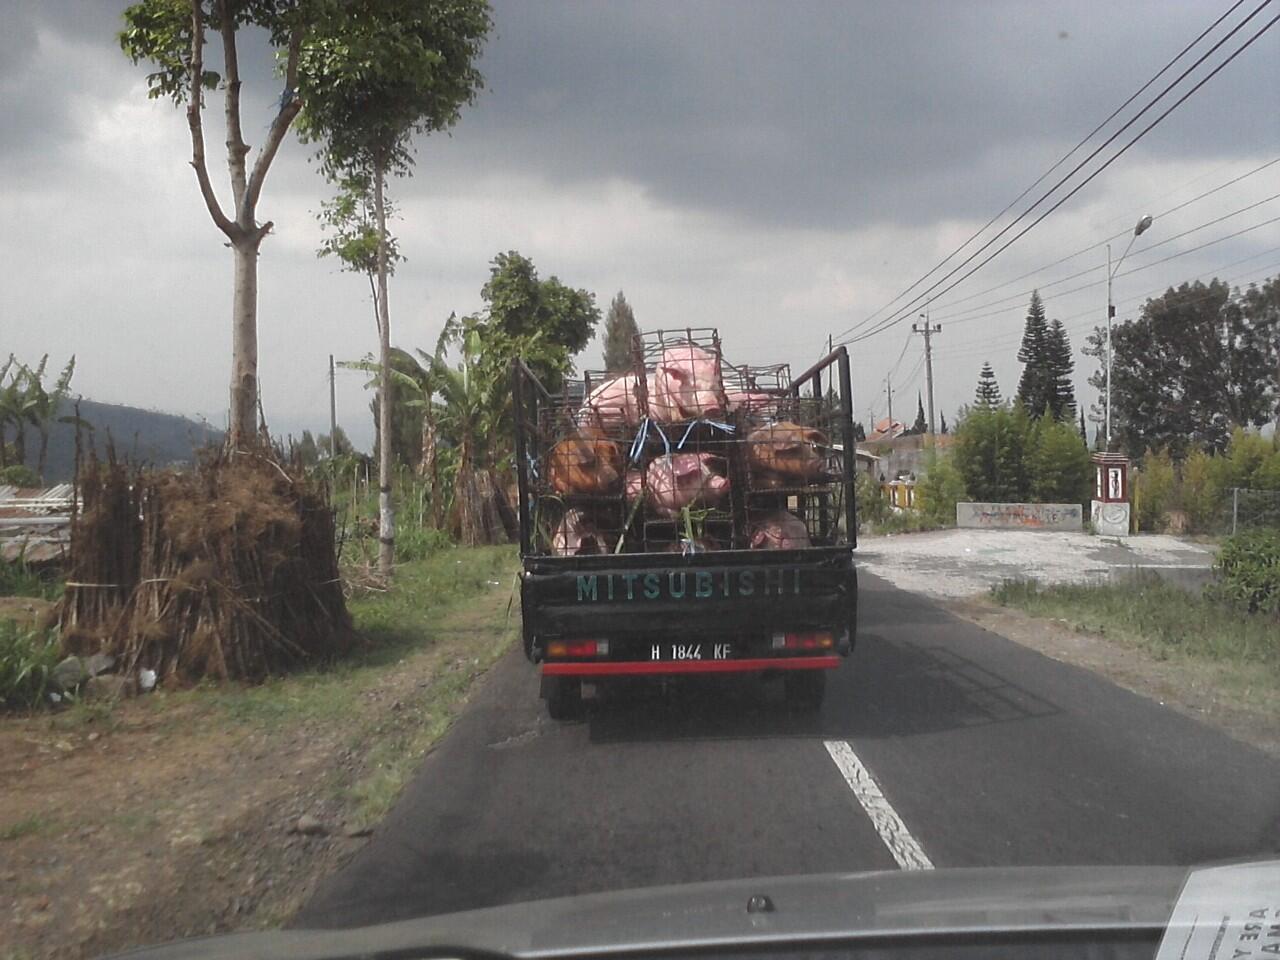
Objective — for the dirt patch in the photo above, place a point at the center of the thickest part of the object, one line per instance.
(180, 814)
(1218, 694)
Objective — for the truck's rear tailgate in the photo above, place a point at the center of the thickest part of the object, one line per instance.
(728, 593)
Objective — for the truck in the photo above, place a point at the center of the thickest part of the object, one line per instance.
(651, 594)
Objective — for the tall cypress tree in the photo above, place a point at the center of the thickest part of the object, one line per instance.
(1034, 392)
(1060, 393)
(619, 329)
(942, 425)
(921, 425)
(1084, 433)
(988, 393)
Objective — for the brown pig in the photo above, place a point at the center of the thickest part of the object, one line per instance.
(785, 454)
(585, 463)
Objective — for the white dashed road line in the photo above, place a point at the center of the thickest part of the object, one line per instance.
(909, 854)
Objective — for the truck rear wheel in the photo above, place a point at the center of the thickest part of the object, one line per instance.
(805, 689)
(564, 697)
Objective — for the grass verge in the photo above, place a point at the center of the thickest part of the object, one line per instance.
(1163, 620)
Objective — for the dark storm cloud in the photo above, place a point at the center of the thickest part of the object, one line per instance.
(835, 114)
(819, 114)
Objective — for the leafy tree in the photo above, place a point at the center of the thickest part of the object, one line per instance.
(939, 489)
(351, 232)
(1060, 393)
(619, 329)
(1154, 489)
(1196, 362)
(1059, 466)
(988, 393)
(520, 306)
(171, 36)
(371, 77)
(44, 404)
(25, 402)
(15, 410)
(1199, 492)
(990, 453)
(859, 431)
(1034, 392)
(921, 425)
(339, 445)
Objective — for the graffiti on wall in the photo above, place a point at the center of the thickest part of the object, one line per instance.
(1020, 516)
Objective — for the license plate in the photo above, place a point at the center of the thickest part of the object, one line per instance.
(691, 651)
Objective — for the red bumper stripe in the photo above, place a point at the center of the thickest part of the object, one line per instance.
(643, 667)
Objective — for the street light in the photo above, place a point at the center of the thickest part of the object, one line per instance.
(1138, 231)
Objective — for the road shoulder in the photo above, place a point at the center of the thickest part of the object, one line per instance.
(1219, 695)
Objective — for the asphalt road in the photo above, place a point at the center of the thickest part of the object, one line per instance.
(984, 753)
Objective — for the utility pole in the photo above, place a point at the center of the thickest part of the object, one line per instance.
(333, 412)
(928, 330)
(888, 387)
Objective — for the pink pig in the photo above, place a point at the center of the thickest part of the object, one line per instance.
(635, 484)
(679, 480)
(750, 401)
(614, 403)
(779, 530)
(576, 536)
(686, 385)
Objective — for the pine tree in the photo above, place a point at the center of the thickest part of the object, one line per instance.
(1060, 393)
(619, 329)
(988, 393)
(1033, 387)
(921, 425)
(942, 426)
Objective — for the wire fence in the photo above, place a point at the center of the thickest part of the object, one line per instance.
(1254, 509)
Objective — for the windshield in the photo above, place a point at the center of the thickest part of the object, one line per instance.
(460, 454)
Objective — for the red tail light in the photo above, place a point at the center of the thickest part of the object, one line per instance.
(820, 640)
(578, 648)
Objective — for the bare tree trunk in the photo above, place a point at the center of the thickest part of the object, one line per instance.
(243, 427)
(386, 513)
(44, 452)
(429, 470)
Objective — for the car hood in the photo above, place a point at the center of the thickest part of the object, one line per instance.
(813, 909)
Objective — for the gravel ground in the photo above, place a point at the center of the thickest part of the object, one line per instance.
(961, 563)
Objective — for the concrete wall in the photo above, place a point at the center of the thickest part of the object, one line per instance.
(1020, 516)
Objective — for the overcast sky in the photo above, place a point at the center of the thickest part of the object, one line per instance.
(779, 170)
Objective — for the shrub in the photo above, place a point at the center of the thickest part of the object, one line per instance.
(1059, 463)
(1249, 569)
(1251, 460)
(27, 659)
(1154, 489)
(873, 503)
(990, 454)
(1200, 492)
(19, 476)
(17, 579)
(938, 491)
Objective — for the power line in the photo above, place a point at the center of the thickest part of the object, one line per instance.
(1063, 159)
(884, 325)
(1151, 246)
(1115, 236)
(1133, 270)
(1012, 338)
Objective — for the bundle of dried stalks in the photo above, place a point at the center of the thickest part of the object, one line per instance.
(227, 571)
